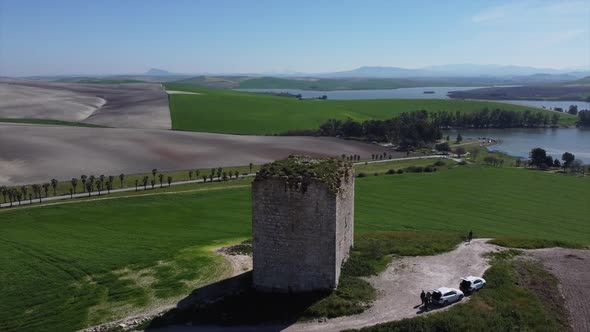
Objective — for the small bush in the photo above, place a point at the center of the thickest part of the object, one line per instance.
(462, 163)
(376, 173)
(361, 175)
(429, 169)
(391, 171)
(415, 169)
(400, 171)
(439, 163)
(512, 242)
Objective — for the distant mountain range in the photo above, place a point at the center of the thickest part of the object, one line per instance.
(158, 72)
(456, 70)
(458, 73)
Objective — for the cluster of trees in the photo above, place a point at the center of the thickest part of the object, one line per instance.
(94, 183)
(18, 194)
(408, 129)
(540, 159)
(221, 175)
(354, 157)
(379, 156)
(584, 119)
(446, 148)
(422, 127)
(496, 118)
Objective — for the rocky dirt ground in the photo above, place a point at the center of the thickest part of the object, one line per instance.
(399, 288)
(572, 268)
(400, 285)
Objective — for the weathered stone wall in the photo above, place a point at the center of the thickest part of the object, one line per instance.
(345, 222)
(300, 237)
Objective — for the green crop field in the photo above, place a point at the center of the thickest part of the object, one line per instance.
(71, 265)
(226, 111)
(67, 266)
(490, 201)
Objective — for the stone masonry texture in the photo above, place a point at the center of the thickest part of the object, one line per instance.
(302, 232)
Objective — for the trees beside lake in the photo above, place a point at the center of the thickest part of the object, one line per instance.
(584, 118)
(539, 158)
(422, 127)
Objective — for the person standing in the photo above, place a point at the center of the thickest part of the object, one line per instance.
(428, 299)
(470, 236)
(423, 298)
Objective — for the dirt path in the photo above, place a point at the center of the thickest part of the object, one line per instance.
(399, 287)
(572, 268)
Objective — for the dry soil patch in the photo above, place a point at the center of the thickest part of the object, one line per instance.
(131, 105)
(572, 268)
(34, 153)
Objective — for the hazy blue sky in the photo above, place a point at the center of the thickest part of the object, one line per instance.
(131, 36)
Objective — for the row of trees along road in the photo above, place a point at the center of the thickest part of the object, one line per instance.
(101, 183)
(540, 159)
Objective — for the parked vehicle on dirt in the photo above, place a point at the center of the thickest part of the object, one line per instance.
(445, 295)
(471, 284)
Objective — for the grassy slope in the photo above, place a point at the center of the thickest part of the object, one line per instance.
(490, 201)
(58, 261)
(224, 111)
(49, 122)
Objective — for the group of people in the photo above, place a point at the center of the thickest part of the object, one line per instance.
(426, 299)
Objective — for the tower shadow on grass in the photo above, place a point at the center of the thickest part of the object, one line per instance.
(233, 301)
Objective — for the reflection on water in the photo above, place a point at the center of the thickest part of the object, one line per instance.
(519, 142)
(402, 93)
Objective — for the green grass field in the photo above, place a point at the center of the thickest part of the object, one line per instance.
(226, 111)
(490, 201)
(67, 266)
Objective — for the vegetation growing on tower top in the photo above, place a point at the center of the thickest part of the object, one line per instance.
(299, 171)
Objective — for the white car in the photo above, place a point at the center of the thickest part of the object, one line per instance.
(472, 284)
(444, 295)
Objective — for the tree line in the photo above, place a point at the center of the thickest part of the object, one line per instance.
(539, 158)
(101, 183)
(584, 118)
(421, 128)
(407, 129)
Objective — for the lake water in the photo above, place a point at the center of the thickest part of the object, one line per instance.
(519, 142)
(415, 93)
(402, 93)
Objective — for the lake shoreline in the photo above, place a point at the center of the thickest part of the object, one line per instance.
(518, 142)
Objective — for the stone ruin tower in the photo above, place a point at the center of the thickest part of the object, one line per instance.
(302, 223)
